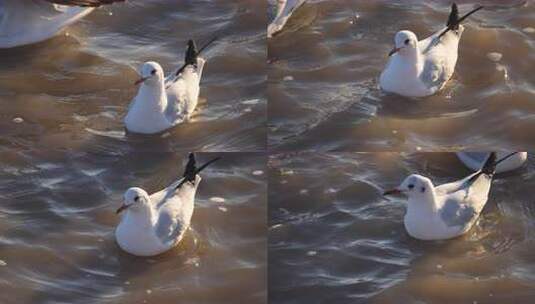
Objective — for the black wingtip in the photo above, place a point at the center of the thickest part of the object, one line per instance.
(207, 164)
(453, 19)
(191, 168)
(191, 53)
(489, 167)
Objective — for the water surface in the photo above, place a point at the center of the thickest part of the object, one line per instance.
(333, 237)
(57, 242)
(323, 79)
(75, 89)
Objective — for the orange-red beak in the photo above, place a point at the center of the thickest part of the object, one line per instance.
(392, 192)
(393, 51)
(140, 80)
(122, 208)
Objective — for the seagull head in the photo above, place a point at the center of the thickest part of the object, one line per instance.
(413, 186)
(406, 42)
(134, 199)
(151, 73)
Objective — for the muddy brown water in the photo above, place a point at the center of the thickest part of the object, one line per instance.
(295, 227)
(65, 160)
(74, 90)
(333, 237)
(323, 79)
(58, 218)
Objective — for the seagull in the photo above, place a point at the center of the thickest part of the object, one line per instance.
(25, 22)
(153, 224)
(282, 11)
(449, 210)
(422, 68)
(474, 160)
(163, 102)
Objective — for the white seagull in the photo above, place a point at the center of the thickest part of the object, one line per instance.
(281, 10)
(422, 68)
(153, 224)
(164, 102)
(449, 210)
(474, 160)
(30, 21)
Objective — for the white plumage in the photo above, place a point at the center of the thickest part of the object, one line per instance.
(153, 224)
(162, 103)
(281, 11)
(25, 22)
(422, 68)
(449, 210)
(474, 160)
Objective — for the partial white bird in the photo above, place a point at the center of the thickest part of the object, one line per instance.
(164, 102)
(449, 210)
(279, 11)
(474, 160)
(422, 68)
(153, 224)
(25, 22)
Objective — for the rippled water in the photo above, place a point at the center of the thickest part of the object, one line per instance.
(57, 241)
(74, 90)
(65, 160)
(323, 79)
(333, 238)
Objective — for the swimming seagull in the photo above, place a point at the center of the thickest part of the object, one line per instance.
(163, 102)
(474, 160)
(449, 210)
(29, 21)
(281, 10)
(422, 68)
(153, 224)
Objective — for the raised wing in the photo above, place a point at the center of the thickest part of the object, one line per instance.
(84, 3)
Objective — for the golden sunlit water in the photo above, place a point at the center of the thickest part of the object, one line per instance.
(334, 238)
(323, 79)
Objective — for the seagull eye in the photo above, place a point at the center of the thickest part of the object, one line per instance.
(411, 186)
(423, 189)
(136, 198)
(153, 72)
(407, 41)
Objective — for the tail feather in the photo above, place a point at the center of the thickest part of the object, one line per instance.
(191, 168)
(454, 21)
(191, 53)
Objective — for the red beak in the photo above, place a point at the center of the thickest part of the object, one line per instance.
(392, 192)
(140, 80)
(393, 51)
(122, 208)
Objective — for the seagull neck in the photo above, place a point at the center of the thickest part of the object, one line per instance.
(143, 216)
(425, 203)
(413, 59)
(152, 97)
